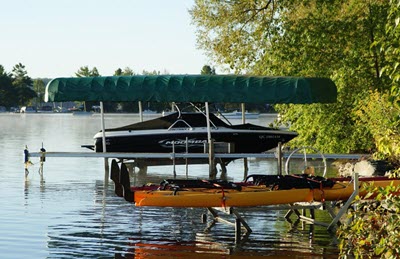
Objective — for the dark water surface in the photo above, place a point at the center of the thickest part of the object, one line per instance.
(72, 211)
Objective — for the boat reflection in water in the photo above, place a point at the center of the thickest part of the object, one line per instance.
(205, 246)
(172, 248)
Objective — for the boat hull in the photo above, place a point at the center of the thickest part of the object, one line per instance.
(188, 132)
(223, 199)
(165, 142)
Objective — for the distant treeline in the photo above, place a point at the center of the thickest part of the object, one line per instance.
(17, 89)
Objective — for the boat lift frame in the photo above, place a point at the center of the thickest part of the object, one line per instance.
(241, 224)
(211, 155)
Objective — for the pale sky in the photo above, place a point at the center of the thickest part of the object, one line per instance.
(54, 38)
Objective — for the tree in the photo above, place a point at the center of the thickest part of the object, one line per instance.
(86, 72)
(118, 72)
(22, 84)
(207, 70)
(7, 98)
(391, 48)
(150, 73)
(305, 38)
(39, 87)
(126, 72)
(126, 106)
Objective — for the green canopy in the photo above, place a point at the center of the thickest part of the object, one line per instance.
(193, 88)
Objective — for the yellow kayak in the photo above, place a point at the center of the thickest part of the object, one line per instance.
(342, 190)
(262, 190)
(222, 199)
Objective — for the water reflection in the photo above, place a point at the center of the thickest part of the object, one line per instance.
(200, 248)
(110, 226)
(71, 212)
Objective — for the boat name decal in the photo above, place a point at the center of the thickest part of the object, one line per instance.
(269, 137)
(182, 142)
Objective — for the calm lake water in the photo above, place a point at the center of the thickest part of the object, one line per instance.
(72, 211)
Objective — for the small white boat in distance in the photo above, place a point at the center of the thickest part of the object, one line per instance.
(238, 115)
(27, 109)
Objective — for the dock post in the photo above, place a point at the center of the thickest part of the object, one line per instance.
(26, 161)
(245, 168)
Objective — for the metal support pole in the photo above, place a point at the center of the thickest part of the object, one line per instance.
(212, 173)
(208, 123)
(173, 159)
(245, 162)
(103, 130)
(140, 111)
(243, 106)
(279, 157)
(347, 204)
(211, 158)
(186, 160)
(238, 230)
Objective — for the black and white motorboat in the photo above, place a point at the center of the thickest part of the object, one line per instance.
(187, 132)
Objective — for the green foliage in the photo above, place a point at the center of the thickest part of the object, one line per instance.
(126, 72)
(7, 91)
(15, 87)
(234, 32)
(85, 71)
(39, 87)
(391, 48)
(22, 85)
(336, 39)
(382, 118)
(207, 70)
(149, 73)
(374, 229)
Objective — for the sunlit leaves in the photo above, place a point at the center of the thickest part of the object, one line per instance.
(342, 40)
(374, 228)
(391, 46)
(384, 124)
(234, 32)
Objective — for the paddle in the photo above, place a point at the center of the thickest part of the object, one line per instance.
(114, 176)
(126, 184)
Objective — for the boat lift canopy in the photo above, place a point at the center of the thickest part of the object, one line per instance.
(193, 88)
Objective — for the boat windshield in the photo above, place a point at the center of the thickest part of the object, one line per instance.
(193, 119)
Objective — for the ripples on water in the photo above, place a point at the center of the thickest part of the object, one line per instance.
(71, 213)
